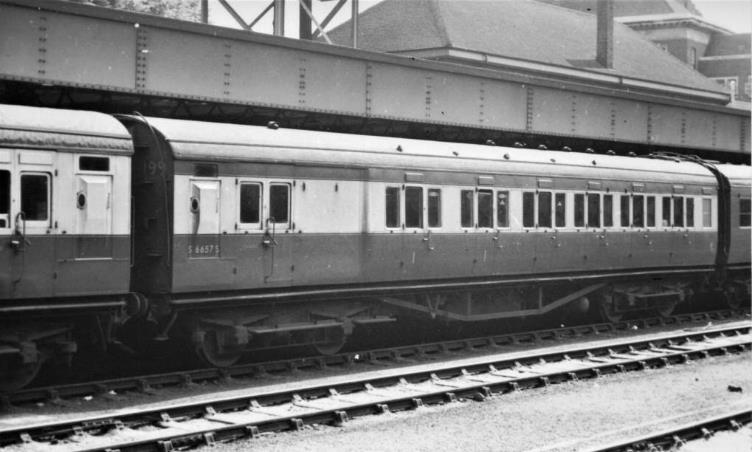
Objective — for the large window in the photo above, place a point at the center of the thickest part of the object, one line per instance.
(690, 211)
(608, 211)
(250, 203)
(392, 207)
(625, 214)
(594, 210)
(35, 196)
(544, 209)
(485, 208)
(638, 211)
(414, 207)
(502, 209)
(666, 217)
(528, 210)
(678, 212)
(560, 201)
(4, 199)
(707, 213)
(651, 212)
(745, 214)
(467, 214)
(579, 210)
(434, 208)
(279, 203)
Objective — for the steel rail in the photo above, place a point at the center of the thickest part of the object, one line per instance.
(56, 394)
(181, 425)
(675, 437)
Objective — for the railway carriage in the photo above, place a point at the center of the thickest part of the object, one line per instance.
(122, 231)
(301, 236)
(64, 232)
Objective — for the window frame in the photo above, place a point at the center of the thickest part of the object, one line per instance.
(473, 208)
(9, 200)
(421, 213)
(710, 212)
(240, 225)
(508, 208)
(36, 223)
(427, 223)
(749, 200)
(268, 217)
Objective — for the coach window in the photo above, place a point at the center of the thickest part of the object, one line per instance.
(625, 214)
(638, 211)
(690, 216)
(414, 207)
(666, 217)
(651, 212)
(392, 207)
(250, 203)
(35, 195)
(434, 208)
(467, 216)
(579, 210)
(485, 208)
(279, 203)
(544, 209)
(608, 211)
(4, 199)
(745, 212)
(594, 210)
(707, 213)
(87, 163)
(678, 212)
(502, 209)
(528, 210)
(560, 204)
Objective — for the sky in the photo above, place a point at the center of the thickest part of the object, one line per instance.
(735, 15)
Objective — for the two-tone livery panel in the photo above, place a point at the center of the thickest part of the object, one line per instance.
(64, 228)
(308, 233)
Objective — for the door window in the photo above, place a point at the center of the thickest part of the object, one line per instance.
(414, 207)
(4, 199)
(35, 196)
(434, 208)
(485, 208)
(279, 203)
(250, 203)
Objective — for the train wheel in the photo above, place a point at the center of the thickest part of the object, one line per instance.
(608, 308)
(666, 309)
(333, 344)
(210, 352)
(14, 375)
(734, 296)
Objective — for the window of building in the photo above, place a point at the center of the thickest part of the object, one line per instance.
(594, 210)
(35, 196)
(651, 212)
(414, 207)
(731, 84)
(467, 214)
(544, 209)
(434, 208)
(690, 217)
(279, 203)
(693, 57)
(678, 212)
(748, 86)
(528, 210)
(638, 211)
(4, 199)
(392, 207)
(502, 209)
(625, 216)
(250, 203)
(745, 214)
(666, 218)
(560, 201)
(485, 208)
(707, 213)
(579, 210)
(608, 211)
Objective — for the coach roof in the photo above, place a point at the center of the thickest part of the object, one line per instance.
(202, 141)
(62, 130)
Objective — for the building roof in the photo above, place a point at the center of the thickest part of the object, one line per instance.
(633, 7)
(736, 44)
(522, 29)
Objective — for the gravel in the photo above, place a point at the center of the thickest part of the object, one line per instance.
(570, 416)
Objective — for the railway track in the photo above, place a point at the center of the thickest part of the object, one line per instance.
(675, 437)
(173, 426)
(149, 383)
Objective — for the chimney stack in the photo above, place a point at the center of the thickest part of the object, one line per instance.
(605, 39)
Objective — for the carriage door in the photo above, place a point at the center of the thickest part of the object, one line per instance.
(205, 219)
(94, 216)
